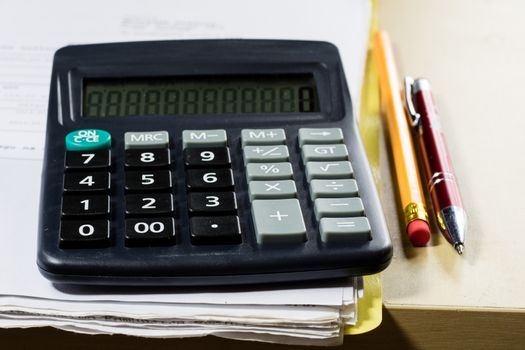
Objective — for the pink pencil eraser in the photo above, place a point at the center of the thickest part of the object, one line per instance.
(418, 232)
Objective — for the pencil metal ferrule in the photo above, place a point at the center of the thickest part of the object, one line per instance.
(413, 116)
(414, 211)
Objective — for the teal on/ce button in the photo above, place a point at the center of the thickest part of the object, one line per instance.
(88, 139)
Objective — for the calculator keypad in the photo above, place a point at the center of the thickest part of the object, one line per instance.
(149, 205)
(333, 190)
(86, 204)
(212, 202)
(276, 212)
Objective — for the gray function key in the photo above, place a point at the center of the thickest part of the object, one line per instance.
(146, 139)
(324, 152)
(269, 171)
(320, 136)
(272, 189)
(258, 154)
(278, 221)
(201, 138)
(263, 137)
(333, 188)
(329, 170)
(339, 230)
(338, 207)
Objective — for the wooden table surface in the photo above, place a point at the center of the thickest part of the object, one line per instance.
(473, 52)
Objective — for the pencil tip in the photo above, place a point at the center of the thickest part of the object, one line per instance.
(459, 248)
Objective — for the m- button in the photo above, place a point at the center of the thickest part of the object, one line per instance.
(146, 139)
(204, 138)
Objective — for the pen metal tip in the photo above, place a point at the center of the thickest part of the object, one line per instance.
(459, 248)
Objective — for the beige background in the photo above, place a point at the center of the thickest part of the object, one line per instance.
(473, 52)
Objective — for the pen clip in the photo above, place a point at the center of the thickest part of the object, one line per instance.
(413, 116)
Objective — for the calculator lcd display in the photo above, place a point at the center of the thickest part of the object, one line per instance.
(199, 95)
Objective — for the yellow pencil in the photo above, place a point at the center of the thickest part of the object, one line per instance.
(407, 173)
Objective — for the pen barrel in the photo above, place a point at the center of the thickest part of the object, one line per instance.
(438, 168)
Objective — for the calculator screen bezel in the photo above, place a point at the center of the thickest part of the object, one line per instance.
(317, 70)
(119, 65)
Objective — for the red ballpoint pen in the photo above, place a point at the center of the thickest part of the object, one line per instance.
(442, 183)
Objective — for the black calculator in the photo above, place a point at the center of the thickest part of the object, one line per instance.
(205, 162)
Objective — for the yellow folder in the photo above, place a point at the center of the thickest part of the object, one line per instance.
(369, 307)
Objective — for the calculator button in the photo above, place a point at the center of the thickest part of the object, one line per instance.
(215, 230)
(84, 234)
(338, 207)
(320, 136)
(147, 157)
(88, 159)
(148, 180)
(202, 138)
(90, 204)
(278, 221)
(146, 139)
(87, 140)
(158, 203)
(272, 189)
(206, 179)
(333, 188)
(259, 154)
(86, 181)
(207, 157)
(324, 152)
(328, 170)
(149, 231)
(263, 137)
(211, 202)
(269, 171)
(339, 230)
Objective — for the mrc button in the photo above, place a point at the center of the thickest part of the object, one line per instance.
(87, 140)
(146, 139)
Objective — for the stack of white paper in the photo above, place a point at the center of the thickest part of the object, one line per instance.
(306, 314)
